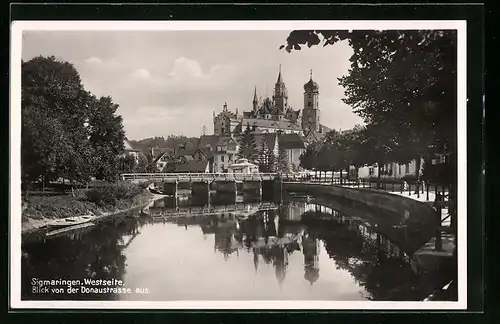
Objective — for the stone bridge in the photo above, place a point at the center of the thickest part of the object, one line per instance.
(201, 183)
(197, 177)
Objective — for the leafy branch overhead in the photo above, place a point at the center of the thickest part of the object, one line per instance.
(403, 83)
(400, 80)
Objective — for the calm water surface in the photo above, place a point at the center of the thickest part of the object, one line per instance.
(228, 251)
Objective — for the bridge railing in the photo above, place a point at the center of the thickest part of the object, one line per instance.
(197, 176)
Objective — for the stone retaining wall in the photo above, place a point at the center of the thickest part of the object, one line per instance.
(405, 221)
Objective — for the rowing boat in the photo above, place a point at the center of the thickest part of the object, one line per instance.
(69, 228)
(71, 221)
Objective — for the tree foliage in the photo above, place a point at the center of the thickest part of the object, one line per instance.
(403, 83)
(172, 142)
(127, 164)
(282, 163)
(308, 157)
(66, 132)
(400, 80)
(248, 146)
(267, 159)
(106, 136)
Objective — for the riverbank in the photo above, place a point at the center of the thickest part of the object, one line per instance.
(40, 210)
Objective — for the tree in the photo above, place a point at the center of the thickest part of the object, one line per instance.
(405, 79)
(54, 138)
(309, 157)
(106, 136)
(248, 146)
(127, 164)
(354, 149)
(66, 131)
(282, 165)
(151, 165)
(402, 80)
(142, 164)
(267, 158)
(172, 142)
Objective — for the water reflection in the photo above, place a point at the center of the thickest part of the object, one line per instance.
(293, 239)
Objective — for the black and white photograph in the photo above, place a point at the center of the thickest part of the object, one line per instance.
(222, 164)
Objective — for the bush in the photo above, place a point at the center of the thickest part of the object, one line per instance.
(110, 194)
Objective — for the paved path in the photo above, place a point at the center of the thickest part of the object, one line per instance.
(422, 197)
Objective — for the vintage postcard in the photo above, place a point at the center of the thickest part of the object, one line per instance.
(238, 165)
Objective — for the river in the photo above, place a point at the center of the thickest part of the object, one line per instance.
(237, 250)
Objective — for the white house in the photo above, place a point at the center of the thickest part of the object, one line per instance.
(225, 153)
(294, 146)
(130, 150)
(243, 166)
(393, 170)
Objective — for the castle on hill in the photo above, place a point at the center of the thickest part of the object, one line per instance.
(274, 114)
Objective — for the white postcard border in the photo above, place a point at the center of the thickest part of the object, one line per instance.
(17, 28)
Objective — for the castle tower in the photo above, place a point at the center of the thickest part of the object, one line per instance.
(310, 249)
(280, 96)
(310, 113)
(255, 100)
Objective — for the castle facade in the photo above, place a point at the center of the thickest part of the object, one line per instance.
(274, 114)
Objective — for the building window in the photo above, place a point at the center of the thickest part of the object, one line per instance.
(222, 158)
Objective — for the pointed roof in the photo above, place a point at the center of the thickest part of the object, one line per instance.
(280, 79)
(128, 146)
(255, 95)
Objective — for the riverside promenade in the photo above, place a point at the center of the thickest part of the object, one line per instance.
(435, 256)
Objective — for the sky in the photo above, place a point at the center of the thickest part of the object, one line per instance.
(171, 82)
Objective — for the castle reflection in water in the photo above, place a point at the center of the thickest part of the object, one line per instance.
(272, 232)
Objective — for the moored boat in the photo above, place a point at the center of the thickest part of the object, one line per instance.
(155, 191)
(70, 228)
(71, 221)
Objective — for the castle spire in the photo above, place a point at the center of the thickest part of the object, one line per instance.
(255, 94)
(311, 73)
(279, 76)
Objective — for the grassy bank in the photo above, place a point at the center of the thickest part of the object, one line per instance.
(39, 210)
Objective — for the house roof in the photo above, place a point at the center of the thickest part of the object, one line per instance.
(226, 140)
(208, 141)
(290, 141)
(313, 135)
(267, 123)
(186, 152)
(162, 155)
(128, 146)
(270, 139)
(190, 166)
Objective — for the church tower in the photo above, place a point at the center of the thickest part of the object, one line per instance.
(255, 100)
(280, 96)
(310, 113)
